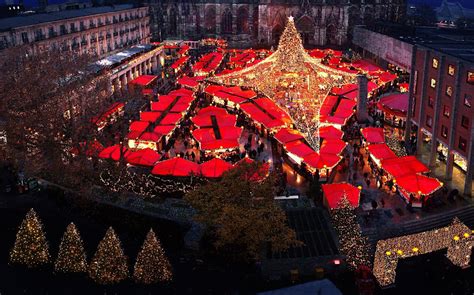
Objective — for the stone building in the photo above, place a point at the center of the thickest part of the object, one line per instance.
(253, 22)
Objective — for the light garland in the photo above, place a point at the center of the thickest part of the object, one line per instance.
(152, 266)
(457, 238)
(31, 247)
(71, 256)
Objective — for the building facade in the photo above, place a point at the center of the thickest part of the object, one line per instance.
(252, 22)
(96, 30)
(441, 101)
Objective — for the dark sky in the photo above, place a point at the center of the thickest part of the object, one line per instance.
(435, 3)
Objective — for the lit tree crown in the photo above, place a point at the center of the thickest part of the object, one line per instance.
(71, 256)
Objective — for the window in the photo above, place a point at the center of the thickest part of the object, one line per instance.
(451, 70)
(24, 37)
(444, 131)
(62, 30)
(429, 121)
(446, 111)
(462, 144)
(449, 91)
(433, 83)
(467, 100)
(72, 27)
(430, 101)
(465, 122)
(51, 32)
(435, 63)
(470, 77)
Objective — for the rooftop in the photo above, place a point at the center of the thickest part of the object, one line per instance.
(457, 43)
(33, 19)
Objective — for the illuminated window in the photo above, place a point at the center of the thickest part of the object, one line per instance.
(465, 122)
(467, 100)
(430, 101)
(429, 121)
(451, 70)
(470, 77)
(446, 111)
(462, 144)
(433, 83)
(449, 90)
(435, 63)
(444, 131)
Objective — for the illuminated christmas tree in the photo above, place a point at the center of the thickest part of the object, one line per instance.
(109, 264)
(71, 257)
(31, 247)
(291, 56)
(152, 266)
(351, 242)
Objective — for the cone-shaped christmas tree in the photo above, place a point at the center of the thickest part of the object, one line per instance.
(351, 241)
(152, 266)
(71, 256)
(109, 264)
(31, 247)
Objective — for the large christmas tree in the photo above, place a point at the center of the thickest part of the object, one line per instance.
(109, 264)
(31, 247)
(351, 241)
(71, 256)
(152, 266)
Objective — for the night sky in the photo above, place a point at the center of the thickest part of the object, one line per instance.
(435, 3)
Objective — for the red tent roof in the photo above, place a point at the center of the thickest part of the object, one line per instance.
(150, 136)
(163, 103)
(208, 62)
(113, 152)
(386, 77)
(373, 135)
(366, 66)
(114, 108)
(180, 62)
(259, 116)
(182, 92)
(298, 148)
(336, 191)
(394, 104)
(330, 132)
(191, 82)
(273, 109)
(139, 126)
(223, 120)
(212, 110)
(171, 119)
(320, 161)
(381, 151)
(143, 80)
(316, 53)
(214, 168)
(234, 94)
(419, 184)
(164, 130)
(144, 157)
(183, 49)
(175, 167)
(208, 141)
(332, 146)
(286, 135)
(403, 166)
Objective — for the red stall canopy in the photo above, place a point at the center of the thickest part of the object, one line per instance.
(139, 126)
(373, 135)
(171, 119)
(419, 184)
(175, 167)
(149, 116)
(394, 104)
(214, 168)
(332, 146)
(298, 148)
(145, 157)
(408, 165)
(113, 152)
(212, 110)
(381, 152)
(330, 132)
(144, 80)
(321, 161)
(191, 82)
(286, 135)
(334, 193)
(180, 62)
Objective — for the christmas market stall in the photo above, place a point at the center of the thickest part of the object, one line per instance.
(334, 192)
(373, 135)
(417, 188)
(143, 82)
(214, 168)
(380, 152)
(394, 107)
(114, 152)
(177, 167)
(402, 166)
(111, 115)
(229, 96)
(143, 157)
(190, 82)
(208, 64)
(322, 163)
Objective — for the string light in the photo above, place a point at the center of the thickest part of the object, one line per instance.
(71, 256)
(31, 247)
(455, 237)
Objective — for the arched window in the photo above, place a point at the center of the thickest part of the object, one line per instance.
(210, 20)
(226, 22)
(173, 30)
(242, 20)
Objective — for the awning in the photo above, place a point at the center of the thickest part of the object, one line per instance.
(298, 148)
(113, 152)
(419, 184)
(381, 152)
(175, 167)
(191, 82)
(316, 160)
(287, 135)
(335, 192)
(144, 80)
(408, 165)
(144, 157)
(373, 135)
(332, 146)
(214, 168)
(139, 126)
(394, 104)
(330, 132)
